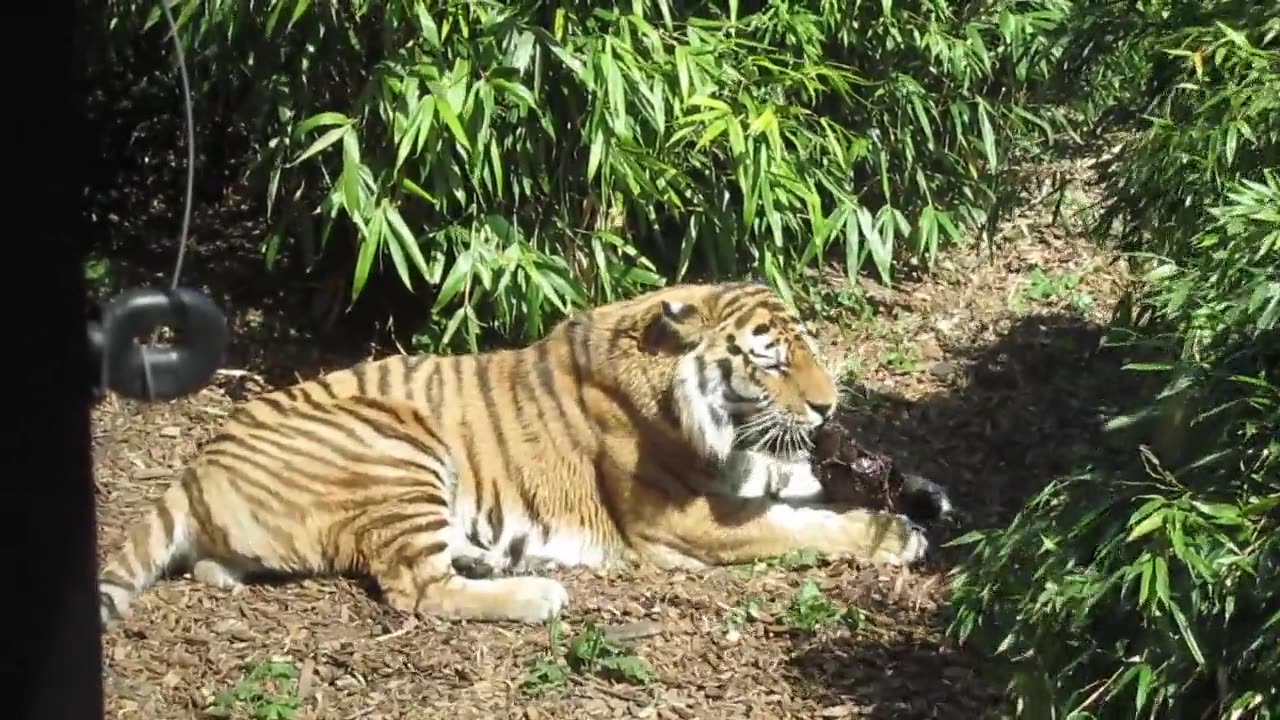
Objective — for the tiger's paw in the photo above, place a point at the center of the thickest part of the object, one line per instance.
(905, 543)
(879, 537)
(538, 599)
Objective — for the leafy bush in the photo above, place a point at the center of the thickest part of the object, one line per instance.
(1149, 590)
(513, 158)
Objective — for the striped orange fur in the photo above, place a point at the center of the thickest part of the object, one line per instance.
(670, 428)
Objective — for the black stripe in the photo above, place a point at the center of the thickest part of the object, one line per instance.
(315, 405)
(274, 403)
(222, 437)
(534, 512)
(468, 438)
(741, 322)
(390, 519)
(434, 548)
(326, 418)
(435, 389)
(391, 430)
(287, 451)
(116, 580)
(384, 378)
(579, 358)
(404, 533)
(413, 365)
(361, 372)
(106, 601)
(545, 375)
(422, 425)
(485, 382)
(478, 511)
(200, 512)
(273, 474)
(324, 384)
(495, 514)
(524, 395)
(700, 364)
(269, 431)
(737, 308)
(516, 549)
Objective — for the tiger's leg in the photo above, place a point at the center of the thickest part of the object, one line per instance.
(416, 578)
(408, 552)
(720, 530)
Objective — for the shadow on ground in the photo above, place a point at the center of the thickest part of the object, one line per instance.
(895, 678)
(1016, 413)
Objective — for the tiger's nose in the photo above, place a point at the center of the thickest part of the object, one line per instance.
(822, 409)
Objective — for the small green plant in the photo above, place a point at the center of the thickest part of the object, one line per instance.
(739, 614)
(97, 276)
(903, 359)
(269, 691)
(1081, 303)
(826, 300)
(810, 610)
(548, 671)
(591, 651)
(798, 559)
(1042, 287)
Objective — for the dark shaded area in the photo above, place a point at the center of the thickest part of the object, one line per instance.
(1021, 411)
(53, 659)
(893, 678)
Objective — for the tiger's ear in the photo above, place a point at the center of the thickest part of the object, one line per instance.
(676, 328)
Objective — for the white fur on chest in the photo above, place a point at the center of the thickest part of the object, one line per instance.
(750, 473)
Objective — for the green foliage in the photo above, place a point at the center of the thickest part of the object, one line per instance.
(810, 610)
(268, 691)
(590, 652)
(1212, 123)
(513, 159)
(1148, 589)
(1042, 288)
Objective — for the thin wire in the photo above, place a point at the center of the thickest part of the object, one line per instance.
(191, 143)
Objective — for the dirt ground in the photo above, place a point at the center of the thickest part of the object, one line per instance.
(986, 376)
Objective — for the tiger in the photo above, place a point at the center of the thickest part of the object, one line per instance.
(669, 428)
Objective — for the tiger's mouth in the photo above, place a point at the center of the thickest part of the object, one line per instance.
(777, 433)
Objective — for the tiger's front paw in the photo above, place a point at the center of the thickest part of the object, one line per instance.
(886, 538)
(537, 599)
(910, 544)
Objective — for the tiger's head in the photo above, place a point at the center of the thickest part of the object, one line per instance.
(748, 375)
